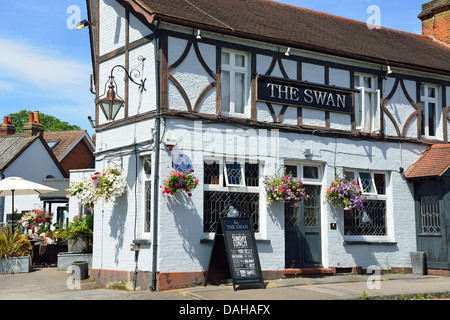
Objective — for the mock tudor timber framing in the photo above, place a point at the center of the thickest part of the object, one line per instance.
(277, 58)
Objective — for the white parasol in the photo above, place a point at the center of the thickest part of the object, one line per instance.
(15, 186)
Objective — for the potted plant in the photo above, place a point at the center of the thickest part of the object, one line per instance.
(80, 233)
(15, 251)
(78, 230)
(180, 180)
(107, 185)
(345, 193)
(286, 189)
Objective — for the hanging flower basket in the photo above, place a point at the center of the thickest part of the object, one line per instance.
(108, 185)
(32, 219)
(286, 189)
(345, 193)
(180, 180)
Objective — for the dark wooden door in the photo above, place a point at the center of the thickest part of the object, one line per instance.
(431, 210)
(302, 232)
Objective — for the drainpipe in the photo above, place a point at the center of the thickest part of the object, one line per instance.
(2, 199)
(157, 156)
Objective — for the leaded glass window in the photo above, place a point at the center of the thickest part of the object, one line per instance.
(430, 216)
(371, 219)
(231, 188)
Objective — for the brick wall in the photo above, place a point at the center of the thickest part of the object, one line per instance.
(435, 18)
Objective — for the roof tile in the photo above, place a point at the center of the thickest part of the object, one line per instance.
(305, 29)
(433, 162)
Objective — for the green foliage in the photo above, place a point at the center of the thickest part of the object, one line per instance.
(50, 123)
(79, 229)
(13, 244)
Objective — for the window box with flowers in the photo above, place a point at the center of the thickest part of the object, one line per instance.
(346, 194)
(286, 189)
(107, 185)
(180, 180)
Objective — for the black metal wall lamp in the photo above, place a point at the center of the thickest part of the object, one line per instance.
(112, 102)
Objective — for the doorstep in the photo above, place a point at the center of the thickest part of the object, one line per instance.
(308, 272)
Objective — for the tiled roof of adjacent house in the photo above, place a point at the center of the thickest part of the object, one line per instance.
(300, 28)
(433, 162)
(11, 146)
(63, 141)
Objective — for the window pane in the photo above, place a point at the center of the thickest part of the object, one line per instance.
(432, 92)
(217, 203)
(422, 125)
(291, 170)
(211, 173)
(368, 82)
(239, 60)
(358, 109)
(239, 98)
(357, 82)
(310, 172)
(371, 221)
(422, 91)
(430, 215)
(251, 174)
(349, 175)
(225, 91)
(368, 101)
(148, 205)
(234, 173)
(431, 119)
(225, 58)
(366, 182)
(380, 183)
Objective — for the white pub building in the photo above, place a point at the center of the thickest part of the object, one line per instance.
(239, 90)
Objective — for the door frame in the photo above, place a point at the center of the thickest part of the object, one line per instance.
(307, 182)
(427, 242)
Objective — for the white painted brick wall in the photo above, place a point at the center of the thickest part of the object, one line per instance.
(111, 26)
(181, 217)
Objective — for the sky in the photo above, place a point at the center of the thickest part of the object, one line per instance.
(45, 63)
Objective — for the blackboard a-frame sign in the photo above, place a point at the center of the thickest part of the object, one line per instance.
(234, 254)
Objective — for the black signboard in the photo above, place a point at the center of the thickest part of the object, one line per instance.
(234, 254)
(305, 94)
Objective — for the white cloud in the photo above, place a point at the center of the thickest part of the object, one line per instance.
(24, 62)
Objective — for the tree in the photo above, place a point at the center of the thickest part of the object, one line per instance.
(50, 123)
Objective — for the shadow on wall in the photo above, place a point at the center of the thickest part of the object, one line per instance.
(117, 226)
(189, 225)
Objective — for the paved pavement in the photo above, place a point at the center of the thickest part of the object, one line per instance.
(50, 284)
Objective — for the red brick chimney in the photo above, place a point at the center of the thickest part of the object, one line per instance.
(7, 127)
(33, 126)
(435, 18)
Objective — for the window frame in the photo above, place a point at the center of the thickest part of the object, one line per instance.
(300, 169)
(425, 101)
(360, 104)
(146, 178)
(375, 196)
(233, 69)
(426, 220)
(238, 188)
(226, 176)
